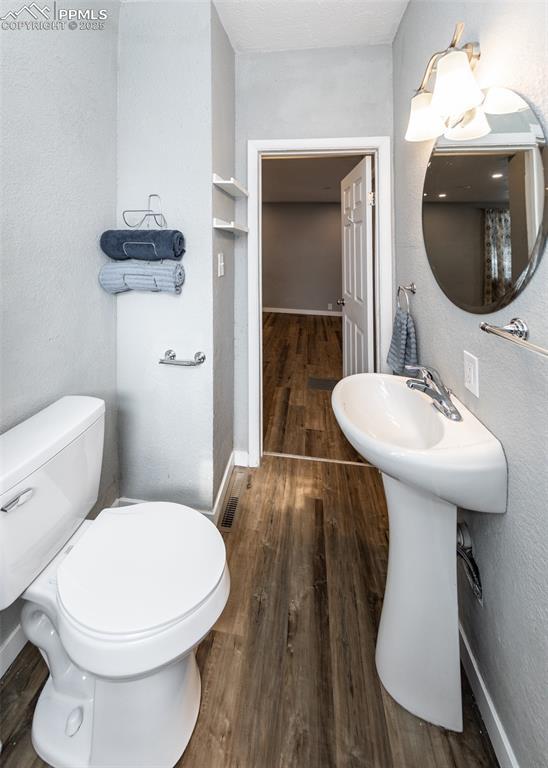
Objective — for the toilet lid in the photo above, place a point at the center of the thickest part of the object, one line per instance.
(140, 567)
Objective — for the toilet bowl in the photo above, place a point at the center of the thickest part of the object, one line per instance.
(117, 616)
(119, 603)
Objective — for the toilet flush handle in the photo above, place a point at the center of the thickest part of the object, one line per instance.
(21, 498)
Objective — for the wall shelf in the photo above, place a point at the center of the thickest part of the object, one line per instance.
(230, 226)
(231, 186)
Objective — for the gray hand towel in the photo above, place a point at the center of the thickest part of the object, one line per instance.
(403, 347)
(120, 276)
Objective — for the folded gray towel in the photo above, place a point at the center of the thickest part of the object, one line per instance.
(403, 347)
(120, 276)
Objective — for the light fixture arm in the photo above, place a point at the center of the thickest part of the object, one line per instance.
(457, 34)
(428, 71)
(472, 50)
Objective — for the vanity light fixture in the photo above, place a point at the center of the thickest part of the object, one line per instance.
(455, 90)
(497, 175)
(442, 194)
(457, 107)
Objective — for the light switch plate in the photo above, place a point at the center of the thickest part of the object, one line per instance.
(471, 373)
(330, 307)
(220, 264)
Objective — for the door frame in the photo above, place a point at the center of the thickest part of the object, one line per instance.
(383, 258)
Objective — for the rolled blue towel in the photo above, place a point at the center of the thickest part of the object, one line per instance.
(143, 244)
(117, 277)
(403, 347)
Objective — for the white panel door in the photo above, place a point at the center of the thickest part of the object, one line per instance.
(357, 269)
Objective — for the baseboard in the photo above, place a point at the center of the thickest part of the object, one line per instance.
(217, 506)
(241, 459)
(495, 728)
(319, 312)
(11, 648)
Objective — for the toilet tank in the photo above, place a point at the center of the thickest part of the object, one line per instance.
(50, 467)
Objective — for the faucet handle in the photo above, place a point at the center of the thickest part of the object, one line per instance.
(424, 372)
(417, 371)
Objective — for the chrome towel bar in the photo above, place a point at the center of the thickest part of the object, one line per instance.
(170, 358)
(517, 332)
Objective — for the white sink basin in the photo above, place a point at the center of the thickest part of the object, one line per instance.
(399, 431)
(430, 466)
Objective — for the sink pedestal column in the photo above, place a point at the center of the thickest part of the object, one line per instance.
(417, 655)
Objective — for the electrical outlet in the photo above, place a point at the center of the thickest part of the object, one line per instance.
(330, 307)
(471, 373)
(220, 264)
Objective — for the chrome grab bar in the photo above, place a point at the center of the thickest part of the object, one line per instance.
(516, 331)
(170, 358)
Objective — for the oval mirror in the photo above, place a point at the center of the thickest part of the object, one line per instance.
(484, 212)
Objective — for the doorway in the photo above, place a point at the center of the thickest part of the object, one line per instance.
(317, 326)
(312, 216)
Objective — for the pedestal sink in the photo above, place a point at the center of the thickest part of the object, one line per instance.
(430, 465)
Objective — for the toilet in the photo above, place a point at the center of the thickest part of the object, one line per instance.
(116, 605)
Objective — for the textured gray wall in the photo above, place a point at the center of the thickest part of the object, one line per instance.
(166, 413)
(58, 169)
(326, 92)
(509, 633)
(223, 125)
(302, 255)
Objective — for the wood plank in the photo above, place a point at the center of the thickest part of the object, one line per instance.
(19, 691)
(362, 735)
(307, 711)
(295, 349)
(218, 720)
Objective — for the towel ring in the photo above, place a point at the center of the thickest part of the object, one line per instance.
(405, 289)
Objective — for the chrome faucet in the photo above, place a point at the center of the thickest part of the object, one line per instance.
(429, 381)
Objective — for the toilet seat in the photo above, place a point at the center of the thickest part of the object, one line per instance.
(140, 568)
(142, 586)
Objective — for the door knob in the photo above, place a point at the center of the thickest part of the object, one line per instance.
(341, 302)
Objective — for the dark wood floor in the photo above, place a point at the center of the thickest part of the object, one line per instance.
(297, 417)
(288, 673)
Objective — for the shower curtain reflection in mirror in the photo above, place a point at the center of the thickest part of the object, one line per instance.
(498, 253)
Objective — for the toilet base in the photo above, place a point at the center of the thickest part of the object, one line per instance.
(135, 723)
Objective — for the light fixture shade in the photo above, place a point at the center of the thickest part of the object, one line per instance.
(456, 90)
(473, 125)
(503, 101)
(424, 122)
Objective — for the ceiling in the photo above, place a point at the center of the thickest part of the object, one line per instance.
(467, 179)
(305, 179)
(278, 25)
